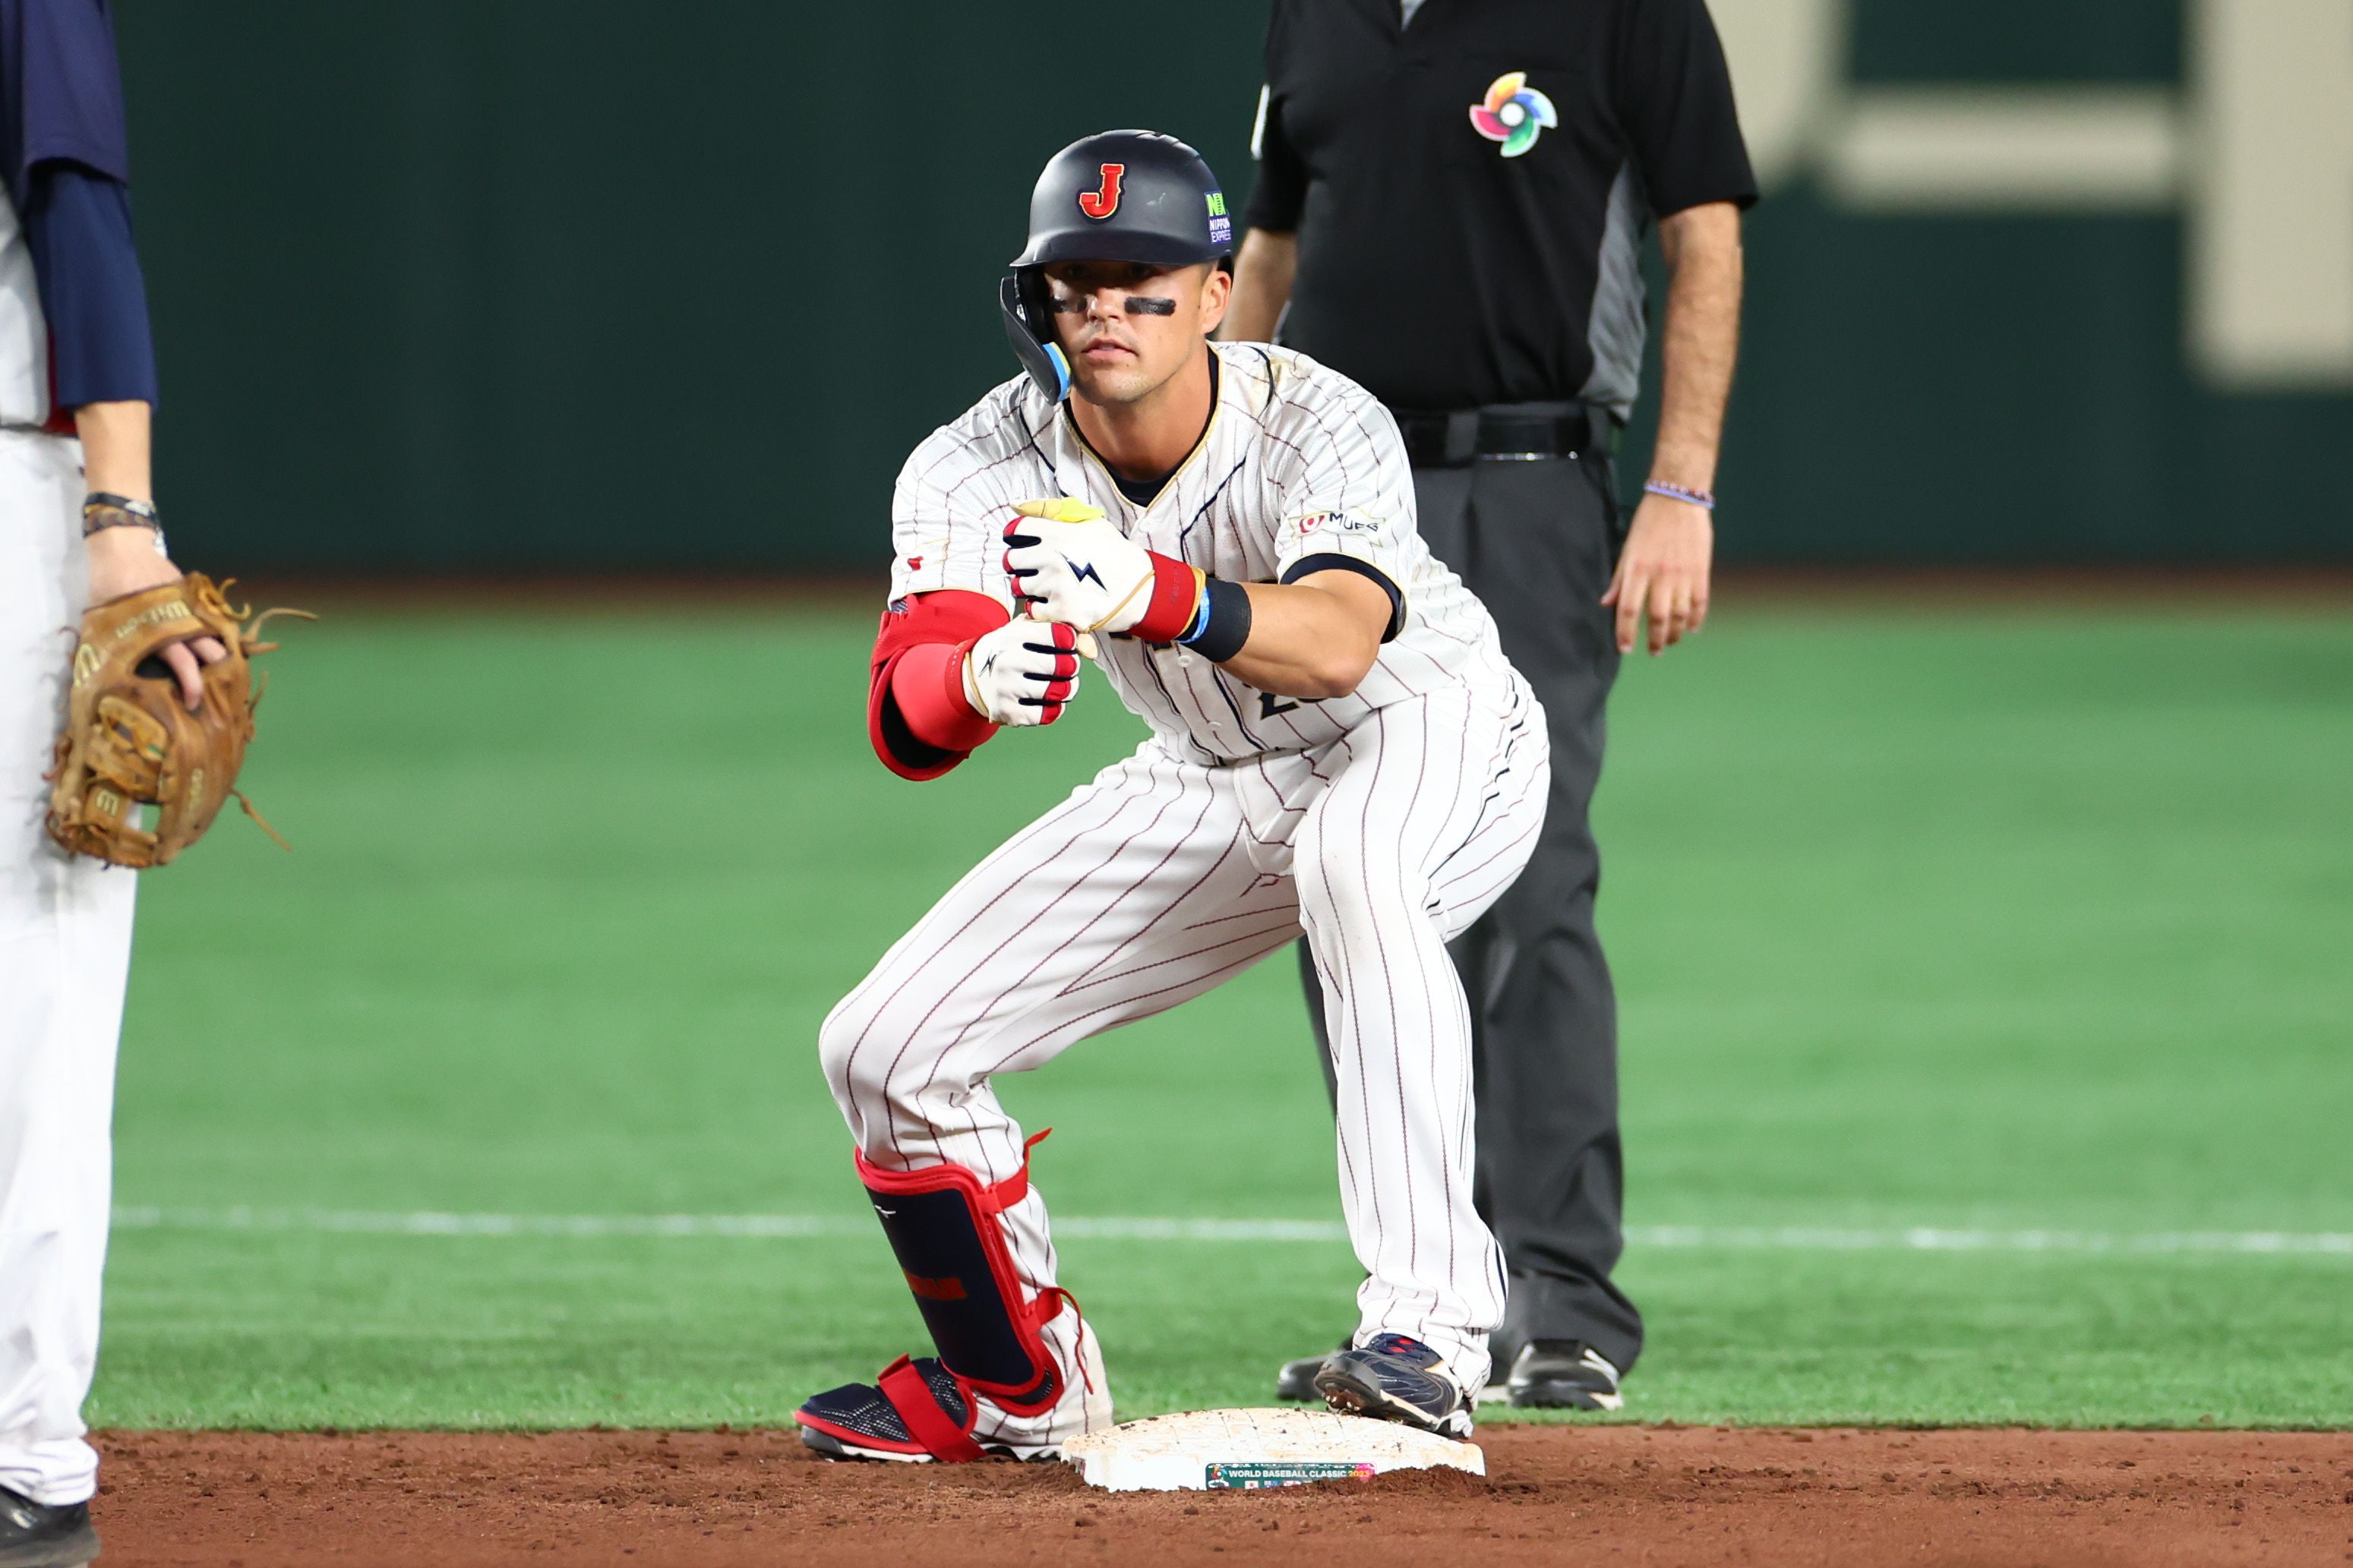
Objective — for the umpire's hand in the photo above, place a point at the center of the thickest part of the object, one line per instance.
(1663, 571)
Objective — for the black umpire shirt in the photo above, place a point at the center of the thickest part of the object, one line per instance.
(1471, 190)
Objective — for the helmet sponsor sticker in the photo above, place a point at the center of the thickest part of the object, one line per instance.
(1222, 227)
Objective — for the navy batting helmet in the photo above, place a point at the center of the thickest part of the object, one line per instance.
(1117, 195)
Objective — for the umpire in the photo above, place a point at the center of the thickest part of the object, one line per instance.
(1450, 205)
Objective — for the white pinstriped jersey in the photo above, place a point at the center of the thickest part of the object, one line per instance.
(24, 332)
(1298, 462)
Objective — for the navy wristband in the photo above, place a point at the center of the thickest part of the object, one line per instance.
(1225, 621)
(1201, 623)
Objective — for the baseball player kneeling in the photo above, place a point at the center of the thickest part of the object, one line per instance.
(1338, 745)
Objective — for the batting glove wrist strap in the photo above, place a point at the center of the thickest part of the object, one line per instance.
(1177, 595)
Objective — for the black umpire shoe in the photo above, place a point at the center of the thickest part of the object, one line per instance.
(1563, 1374)
(1297, 1378)
(39, 1535)
(1395, 1378)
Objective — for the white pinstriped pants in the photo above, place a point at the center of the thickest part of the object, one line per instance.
(1161, 879)
(65, 954)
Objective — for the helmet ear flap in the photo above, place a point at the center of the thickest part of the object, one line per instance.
(1021, 297)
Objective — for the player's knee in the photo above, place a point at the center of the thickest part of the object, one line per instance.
(873, 1061)
(1345, 881)
(842, 1040)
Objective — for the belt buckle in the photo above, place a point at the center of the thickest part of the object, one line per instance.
(1518, 428)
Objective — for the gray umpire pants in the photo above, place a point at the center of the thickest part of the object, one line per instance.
(1537, 542)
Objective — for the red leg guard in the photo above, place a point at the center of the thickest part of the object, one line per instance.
(944, 1227)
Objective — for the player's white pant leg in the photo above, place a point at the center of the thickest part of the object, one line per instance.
(1425, 813)
(65, 951)
(1134, 895)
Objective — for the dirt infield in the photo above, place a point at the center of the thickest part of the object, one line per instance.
(1663, 1495)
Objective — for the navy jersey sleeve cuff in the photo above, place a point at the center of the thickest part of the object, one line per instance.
(102, 348)
(1308, 565)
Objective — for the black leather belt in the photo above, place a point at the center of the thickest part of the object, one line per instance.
(1457, 439)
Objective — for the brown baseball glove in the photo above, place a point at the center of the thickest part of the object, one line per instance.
(130, 742)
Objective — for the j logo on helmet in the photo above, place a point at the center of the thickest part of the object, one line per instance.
(1102, 202)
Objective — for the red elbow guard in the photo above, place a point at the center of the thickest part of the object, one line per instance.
(927, 683)
(916, 715)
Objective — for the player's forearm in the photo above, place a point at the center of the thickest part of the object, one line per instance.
(1701, 340)
(1313, 638)
(1263, 270)
(116, 446)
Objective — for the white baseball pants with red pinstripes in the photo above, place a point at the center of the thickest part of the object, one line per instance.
(1164, 878)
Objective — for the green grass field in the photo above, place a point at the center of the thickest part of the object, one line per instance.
(1990, 923)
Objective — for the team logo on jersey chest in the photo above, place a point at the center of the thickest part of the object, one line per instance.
(1104, 201)
(1513, 113)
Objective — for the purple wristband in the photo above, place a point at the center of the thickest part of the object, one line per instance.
(1703, 500)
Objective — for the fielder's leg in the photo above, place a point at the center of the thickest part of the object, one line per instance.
(1134, 895)
(65, 951)
(1428, 816)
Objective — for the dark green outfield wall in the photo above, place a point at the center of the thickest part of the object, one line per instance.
(573, 284)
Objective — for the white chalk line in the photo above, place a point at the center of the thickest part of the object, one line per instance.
(785, 1226)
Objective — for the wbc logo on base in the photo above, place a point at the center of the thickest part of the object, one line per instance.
(1104, 201)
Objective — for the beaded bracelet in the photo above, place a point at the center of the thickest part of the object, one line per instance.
(1704, 499)
(103, 508)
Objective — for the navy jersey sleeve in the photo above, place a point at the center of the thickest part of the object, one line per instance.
(60, 91)
(65, 155)
(1281, 192)
(1674, 98)
(77, 224)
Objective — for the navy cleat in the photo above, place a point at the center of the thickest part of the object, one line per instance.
(1395, 1378)
(917, 1415)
